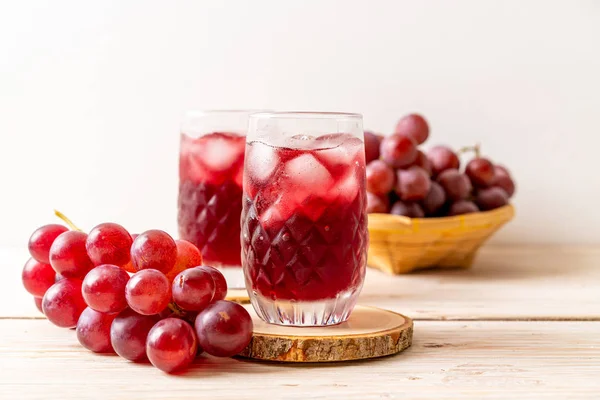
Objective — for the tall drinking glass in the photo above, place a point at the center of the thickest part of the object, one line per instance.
(304, 222)
(211, 163)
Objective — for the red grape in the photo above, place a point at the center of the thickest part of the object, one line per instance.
(407, 209)
(481, 172)
(38, 303)
(412, 183)
(93, 330)
(462, 207)
(154, 249)
(41, 240)
(148, 292)
(380, 177)
(68, 256)
(219, 281)
(109, 243)
(372, 143)
(398, 151)
(442, 158)
(224, 328)
(435, 199)
(193, 289)
(504, 180)
(37, 277)
(501, 170)
(505, 183)
(423, 162)
(490, 198)
(63, 303)
(128, 334)
(104, 288)
(413, 126)
(457, 185)
(377, 204)
(171, 344)
(188, 256)
(129, 266)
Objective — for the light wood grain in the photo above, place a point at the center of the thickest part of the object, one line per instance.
(469, 360)
(238, 295)
(523, 282)
(520, 282)
(448, 359)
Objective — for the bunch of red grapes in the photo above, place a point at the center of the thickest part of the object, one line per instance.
(403, 180)
(144, 297)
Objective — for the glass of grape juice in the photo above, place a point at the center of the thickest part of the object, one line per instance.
(211, 162)
(304, 221)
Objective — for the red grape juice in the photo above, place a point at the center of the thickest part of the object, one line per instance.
(210, 195)
(304, 224)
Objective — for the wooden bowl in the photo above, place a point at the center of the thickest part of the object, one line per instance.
(400, 244)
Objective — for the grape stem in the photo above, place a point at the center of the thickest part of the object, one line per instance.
(176, 310)
(476, 149)
(67, 220)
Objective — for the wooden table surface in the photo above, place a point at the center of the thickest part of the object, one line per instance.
(523, 323)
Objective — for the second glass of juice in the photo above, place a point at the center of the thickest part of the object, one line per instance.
(304, 222)
(211, 163)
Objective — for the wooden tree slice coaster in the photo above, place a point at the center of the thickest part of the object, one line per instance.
(238, 295)
(369, 333)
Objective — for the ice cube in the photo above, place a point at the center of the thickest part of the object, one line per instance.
(305, 176)
(332, 139)
(261, 162)
(220, 152)
(271, 215)
(343, 155)
(347, 188)
(303, 137)
(302, 182)
(190, 164)
(275, 216)
(196, 170)
(302, 141)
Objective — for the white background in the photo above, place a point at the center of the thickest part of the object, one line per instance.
(91, 95)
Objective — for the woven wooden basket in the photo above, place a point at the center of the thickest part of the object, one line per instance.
(399, 244)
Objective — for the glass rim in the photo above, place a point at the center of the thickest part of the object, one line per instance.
(305, 115)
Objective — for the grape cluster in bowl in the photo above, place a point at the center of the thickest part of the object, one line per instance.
(403, 180)
(144, 297)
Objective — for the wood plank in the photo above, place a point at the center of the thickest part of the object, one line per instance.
(506, 282)
(449, 359)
